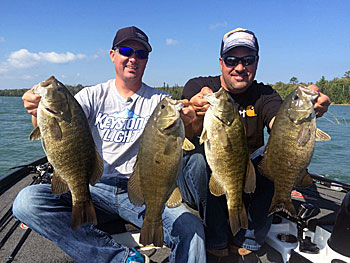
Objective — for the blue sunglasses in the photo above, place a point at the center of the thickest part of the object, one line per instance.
(129, 51)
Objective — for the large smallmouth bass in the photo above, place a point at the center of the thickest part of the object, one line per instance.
(290, 147)
(69, 146)
(227, 154)
(158, 164)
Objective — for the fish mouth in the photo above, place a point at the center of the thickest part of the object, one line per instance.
(312, 94)
(302, 110)
(172, 125)
(49, 104)
(51, 111)
(305, 119)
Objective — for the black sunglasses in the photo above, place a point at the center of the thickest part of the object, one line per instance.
(129, 51)
(234, 61)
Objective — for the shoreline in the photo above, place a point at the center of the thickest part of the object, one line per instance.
(345, 104)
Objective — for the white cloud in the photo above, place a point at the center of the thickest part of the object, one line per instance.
(170, 41)
(217, 25)
(101, 53)
(25, 59)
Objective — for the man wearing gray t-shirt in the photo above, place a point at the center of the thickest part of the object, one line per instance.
(117, 111)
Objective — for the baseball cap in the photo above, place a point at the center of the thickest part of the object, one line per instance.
(237, 38)
(131, 33)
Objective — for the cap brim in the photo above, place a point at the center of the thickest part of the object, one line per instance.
(239, 45)
(146, 44)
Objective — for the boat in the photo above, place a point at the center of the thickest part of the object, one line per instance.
(320, 233)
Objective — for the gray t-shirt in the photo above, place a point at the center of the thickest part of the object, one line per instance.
(117, 123)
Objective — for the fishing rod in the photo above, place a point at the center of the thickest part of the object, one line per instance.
(19, 245)
(4, 220)
(40, 177)
(43, 176)
(8, 215)
(330, 182)
(9, 233)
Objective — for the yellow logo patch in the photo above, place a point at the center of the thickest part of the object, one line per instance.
(250, 111)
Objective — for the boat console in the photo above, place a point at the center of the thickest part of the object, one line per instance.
(318, 234)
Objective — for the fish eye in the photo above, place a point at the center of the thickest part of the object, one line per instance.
(162, 106)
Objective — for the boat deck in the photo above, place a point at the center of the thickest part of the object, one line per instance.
(326, 199)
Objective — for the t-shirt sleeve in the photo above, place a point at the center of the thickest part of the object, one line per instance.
(272, 103)
(84, 99)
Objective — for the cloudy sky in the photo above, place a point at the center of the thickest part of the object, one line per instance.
(306, 39)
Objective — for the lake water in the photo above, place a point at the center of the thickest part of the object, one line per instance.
(330, 159)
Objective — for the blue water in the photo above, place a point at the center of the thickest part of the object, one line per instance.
(15, 127)
(330, 158)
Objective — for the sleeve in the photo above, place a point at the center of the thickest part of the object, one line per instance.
(192, 87)
(83, 97)
(272, 103)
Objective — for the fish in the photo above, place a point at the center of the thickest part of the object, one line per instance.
(69, 146)
(158, 162)
(226, 151)
(290, 147)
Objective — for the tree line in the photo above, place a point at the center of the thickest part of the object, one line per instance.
(337, 89)
(19, 92)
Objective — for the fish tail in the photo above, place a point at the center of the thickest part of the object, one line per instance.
(152, 232)
(282, 205)
(238, 219)
(83, 213)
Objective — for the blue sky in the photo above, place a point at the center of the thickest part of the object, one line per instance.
(307, 39)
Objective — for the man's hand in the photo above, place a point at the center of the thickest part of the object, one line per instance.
(187, 113)
(322, 102)
(31, 101)
(200, 104)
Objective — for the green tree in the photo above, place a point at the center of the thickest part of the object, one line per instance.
(347, 74)
(293, 80)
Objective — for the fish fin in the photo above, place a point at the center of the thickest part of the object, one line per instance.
(43, 145)
(35, 134)
(305, 181)
(83, 213)
(134, 189)
(215, 187)
(304, 136)
(175, 199)
(55, 129)
(204, 136)
(152, 233)
(66, 113)
(238, 219)
(250, 178)
(97, 169)
(187, 145)
(170, 145)
(285, 206)
(58, 185)
(223, 139)
(262, 167)
(321, 136)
